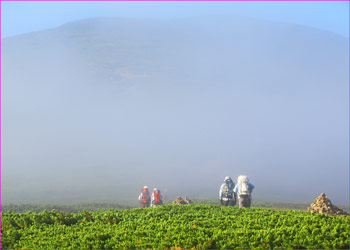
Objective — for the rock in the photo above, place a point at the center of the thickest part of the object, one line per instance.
(187, 200)
(180, 201)
(323, 205)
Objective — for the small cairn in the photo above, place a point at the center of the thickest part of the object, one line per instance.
(180, 201)
(323, 205)
(187, 200)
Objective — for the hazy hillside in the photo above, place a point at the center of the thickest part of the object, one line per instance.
(95, 109)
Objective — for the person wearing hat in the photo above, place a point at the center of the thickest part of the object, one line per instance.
(156, 198)
(145, 197)
(226, 195)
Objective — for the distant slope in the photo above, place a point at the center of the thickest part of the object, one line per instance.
(95, 109)
(117, 50)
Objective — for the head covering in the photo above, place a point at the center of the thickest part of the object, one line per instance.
(155, 189)
(145, 187)
(227, 178)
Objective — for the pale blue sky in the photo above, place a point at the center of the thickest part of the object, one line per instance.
(21, 17)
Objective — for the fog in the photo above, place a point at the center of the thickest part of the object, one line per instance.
(95, 109)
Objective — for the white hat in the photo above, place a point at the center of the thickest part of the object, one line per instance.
(227, 178)
(145, 187)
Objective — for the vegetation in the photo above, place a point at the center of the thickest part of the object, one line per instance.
(68, 208)
(98, 206)
(188, 226)
(259, 204)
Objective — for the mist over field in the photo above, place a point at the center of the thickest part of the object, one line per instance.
(95, 109)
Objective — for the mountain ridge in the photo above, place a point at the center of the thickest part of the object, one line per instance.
(178, 99)
(185, 19)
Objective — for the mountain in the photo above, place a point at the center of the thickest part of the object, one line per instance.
(97, 108)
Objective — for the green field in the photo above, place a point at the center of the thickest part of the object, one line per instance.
(188, 226)
(97, 206)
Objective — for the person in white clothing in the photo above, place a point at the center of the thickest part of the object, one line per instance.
(244, 191)
(226, 194)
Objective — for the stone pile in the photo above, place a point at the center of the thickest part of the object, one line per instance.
(323, 205)
(180, 201)
(187, 200)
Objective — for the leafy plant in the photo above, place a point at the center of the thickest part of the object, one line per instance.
(191, 226)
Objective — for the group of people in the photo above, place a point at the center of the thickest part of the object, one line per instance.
(228, 195)
(229, 192)
(148, 199)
